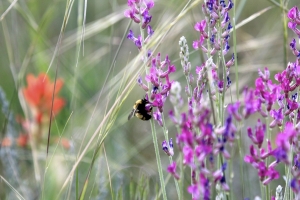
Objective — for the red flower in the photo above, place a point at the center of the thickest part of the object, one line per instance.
(38, 95)
(65, 143)
(6, 142)
(22, 140)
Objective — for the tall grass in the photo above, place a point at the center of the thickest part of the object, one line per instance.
(89, 150)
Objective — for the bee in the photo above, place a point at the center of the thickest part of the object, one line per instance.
(141, 109)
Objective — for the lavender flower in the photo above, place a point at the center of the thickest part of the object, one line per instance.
(199, 140)
(159, 79)
(138, 11)
(264, 99)
(169, 150)
(138, 41)
(172, 170)
(294, 16)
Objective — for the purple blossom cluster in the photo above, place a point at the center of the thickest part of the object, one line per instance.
(280, 102)
(138, 11)
(257, 158)
(215, 12)
(294, 16)
(201, 143)
(266, 94)
(203, 138)
(158, 79)
(200, 140)
(214, 36)
(139, 40)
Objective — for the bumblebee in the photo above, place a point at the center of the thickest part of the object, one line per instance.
(141, 109)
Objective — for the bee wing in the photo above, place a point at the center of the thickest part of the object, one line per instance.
(131, 114)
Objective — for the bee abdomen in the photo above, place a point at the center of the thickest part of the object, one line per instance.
(143, 116)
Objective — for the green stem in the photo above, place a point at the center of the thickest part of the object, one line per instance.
(285, 33)
(235, 56)
(268, 136)
(237, 97)
(241, 162)
(153, 131)
(267, 192)
(261, 190)
(287, 191)
(231, 174)
(181, 175)
(160, 172)
(181, 185)
(170, 157)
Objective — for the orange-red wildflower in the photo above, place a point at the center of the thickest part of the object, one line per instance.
(22, 140)
(6, 142)
(38, 95)
(65, 143)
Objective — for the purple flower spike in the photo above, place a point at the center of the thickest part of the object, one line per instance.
(165, 146)
(292, 14)
(130, 13)
(222, 3)
(137, 41)
(205, 186)
(172, 117)
(233, 109)
(249, 159)
(200, 26)
(230, 5)
(226, 48)
(260, 130)
(250, 102)
(158, 118)
(153, 77)
(150, 31)
(141, 84)
(158, 101)
(171, 69)
(158, 59)
(292, 25)
(188, 155)
(149, 4)
(264, 75)
(225, 20)
(146, 18)
(172, 170)
(198, 43)
(230, 62)
(271, 174)
(283, 143)
(291, 106)
(194, 190)
(168, 150)
(293, 44)
(139, 11)
(137, 8)
(293, 48)
(295, 185)
(130, 35)
(278, 117)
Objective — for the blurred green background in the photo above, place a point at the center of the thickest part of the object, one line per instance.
(29, 34)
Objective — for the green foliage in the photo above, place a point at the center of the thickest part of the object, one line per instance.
(82, 43)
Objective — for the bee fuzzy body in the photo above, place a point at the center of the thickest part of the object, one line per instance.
(140, 110)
